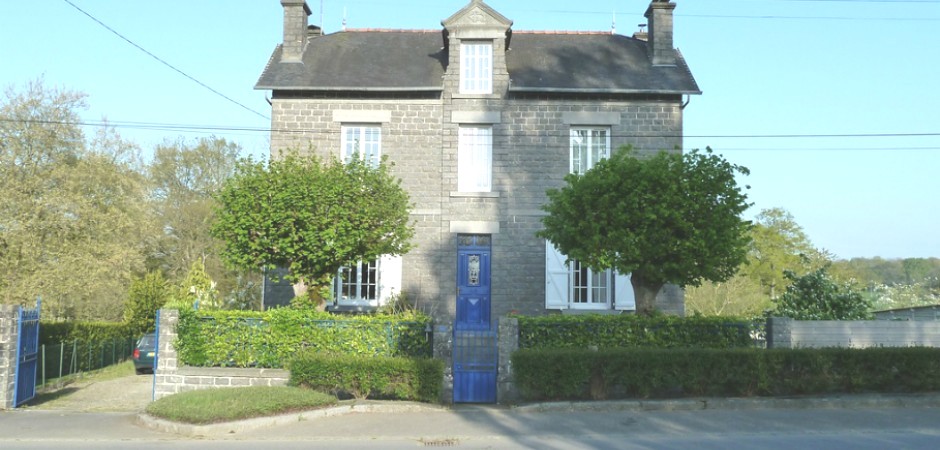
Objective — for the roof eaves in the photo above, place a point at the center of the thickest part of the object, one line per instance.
(603, 91)
(351, 89)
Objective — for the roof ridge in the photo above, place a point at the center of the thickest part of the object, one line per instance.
(562, 32)
(387, 30)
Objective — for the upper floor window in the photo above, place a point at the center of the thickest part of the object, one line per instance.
(364, 141)
(475, 159)
(588, 146)
(476, 68)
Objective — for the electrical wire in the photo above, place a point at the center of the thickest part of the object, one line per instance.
(174, 68)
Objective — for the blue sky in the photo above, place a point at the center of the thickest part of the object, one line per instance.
(830, 103)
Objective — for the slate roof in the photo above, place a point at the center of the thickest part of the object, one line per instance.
(415, 60)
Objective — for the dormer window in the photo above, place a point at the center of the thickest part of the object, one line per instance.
(476, 68)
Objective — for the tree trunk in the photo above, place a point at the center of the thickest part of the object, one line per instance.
(645, 291)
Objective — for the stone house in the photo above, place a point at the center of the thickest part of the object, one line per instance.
(479, 120)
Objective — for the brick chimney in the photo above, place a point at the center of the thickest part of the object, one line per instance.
(295, 29)
(659, 16)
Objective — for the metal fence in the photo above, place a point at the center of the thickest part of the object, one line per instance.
(59, 362)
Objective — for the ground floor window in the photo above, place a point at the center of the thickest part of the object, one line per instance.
(368, 283)
(571, 285)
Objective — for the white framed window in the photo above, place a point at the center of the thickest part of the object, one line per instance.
(368, 283)
(476, 68)
(475, 159)
(364, 141)
(588, 146)
(570, 285)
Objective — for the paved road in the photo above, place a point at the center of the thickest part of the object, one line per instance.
(498, 428)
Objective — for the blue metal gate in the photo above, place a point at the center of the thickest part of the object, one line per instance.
(475, 361)
(27, 355)
(475, 350)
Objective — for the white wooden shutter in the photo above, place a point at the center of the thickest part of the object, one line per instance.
(390, 271)
(556, 278)
(624, 298)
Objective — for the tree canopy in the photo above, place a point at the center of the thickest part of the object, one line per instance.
(816, 296)
(668, 218)
(311, 217)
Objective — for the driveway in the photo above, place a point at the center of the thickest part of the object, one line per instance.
(130, 393)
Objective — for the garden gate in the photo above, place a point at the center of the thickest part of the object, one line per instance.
(27, 355)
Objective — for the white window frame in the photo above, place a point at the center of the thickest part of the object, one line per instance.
(568, 285)
(588, 146)
(475, 158)
(364, 140)
(476, 67)
(354, 290)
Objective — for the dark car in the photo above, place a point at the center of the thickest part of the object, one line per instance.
(144, 353)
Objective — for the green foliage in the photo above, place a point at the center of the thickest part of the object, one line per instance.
(271, 339)
(816, 296)
(183, 177)
(72, 212)
(668, 218)
(197, 290)
(739, 296)
(309, 217)
(225, 405)
(369, 376)
(52, 333)
(572, 374)
(146, 296)
(600, 331)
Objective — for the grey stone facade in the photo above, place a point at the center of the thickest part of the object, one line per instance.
(531, 142)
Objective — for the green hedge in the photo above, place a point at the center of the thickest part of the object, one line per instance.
(51, 333)
(270, 339)
(627, 330)
(575, 374)
(363, 377)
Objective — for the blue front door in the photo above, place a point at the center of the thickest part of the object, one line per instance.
(473, 282)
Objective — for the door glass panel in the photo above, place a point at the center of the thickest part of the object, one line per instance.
(473, 270)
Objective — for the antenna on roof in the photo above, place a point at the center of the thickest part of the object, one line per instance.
(344, 18)
(613, 23)
(321, 13)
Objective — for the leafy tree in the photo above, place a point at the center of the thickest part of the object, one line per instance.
(739, 296)
(778, 243)
(816, 296)
(312, 218)
(197, 290)
(668, 218)
(72, 211)
(146, 296)
(184, 177)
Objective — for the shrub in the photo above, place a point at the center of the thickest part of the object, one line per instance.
(146, 296)
(571, 374)
(51, 333)
(816, 296)
(597, 331)
(364, 377)
(270, 339)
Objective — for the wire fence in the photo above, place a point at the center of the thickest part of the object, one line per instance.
(63, 361)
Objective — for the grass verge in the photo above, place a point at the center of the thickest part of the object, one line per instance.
(228, 404)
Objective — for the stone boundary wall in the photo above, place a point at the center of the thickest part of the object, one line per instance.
(8, 330)
(171, 379)
(789, 333)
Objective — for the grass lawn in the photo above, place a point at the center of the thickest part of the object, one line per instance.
(227, 404)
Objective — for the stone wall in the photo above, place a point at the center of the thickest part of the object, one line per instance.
(789, 333)
(171, 378)
(530, 155)
(8, 334)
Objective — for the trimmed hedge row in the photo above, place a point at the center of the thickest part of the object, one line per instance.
(52, 333)
(363, 377)
(271, 339)
(627, 330)
(575, 374)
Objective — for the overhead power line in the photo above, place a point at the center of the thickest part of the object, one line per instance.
(164, 62)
